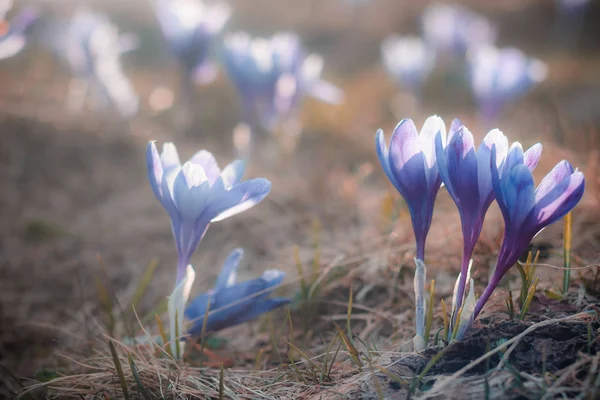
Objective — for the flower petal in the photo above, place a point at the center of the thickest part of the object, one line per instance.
(239, 198)
(484, 153)
(442, 163)
(232, 174)
(228, 274)
(432, 126)
(560, 172)
(155, 169)
(532, 156)
(191, 191)
(518, 192)
(169, 157)
(560, 199)
(208, 163)
(406, 162)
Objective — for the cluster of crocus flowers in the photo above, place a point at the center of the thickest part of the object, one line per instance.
(498, 76)
(14, 32)
(190, 28)
(409, 60)
(195, 195)
(272, 76)
(453, 29)
(417, 164)
(231, 303)
(90, 45)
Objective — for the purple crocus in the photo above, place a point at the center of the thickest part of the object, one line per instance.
(526, 210)
(410, 164)
(409, 60)
(465, 172)
(190, 28)
(13, 37)
(272, 76)
(199, 193)
(498, 76)
(233, 303)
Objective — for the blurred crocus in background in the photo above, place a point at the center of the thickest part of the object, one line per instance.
(14, 32)
(410, 165)
(195, 195)
(90, 45)
(409, 60)
(570, 21)
(453, 29)
(527, 210)
(499, 76)
(231, 303)
(272, 76)
(190, 29)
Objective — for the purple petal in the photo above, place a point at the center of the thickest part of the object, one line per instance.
(442, 163)
(208, 163)
(326, 92)
(228, 274)
(560, 200)
(514, 157)
(559, 173)
(454, 128)
(518, 191)
(406, 163)
(532, 156)
(383, 155)
(484, 153)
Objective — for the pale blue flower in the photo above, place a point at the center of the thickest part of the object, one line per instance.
(199, 193)
(498, 76)
(90, 45)
(272, 76)
(454, 29)
(409, 60)
(231, 303)
(190, 28)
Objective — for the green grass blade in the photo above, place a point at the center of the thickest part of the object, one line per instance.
(144, 282)
(530, 294)
(143, 391)
(163, 335)
(203, 332)
(119, 369)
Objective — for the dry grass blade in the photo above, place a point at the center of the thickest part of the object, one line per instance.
(352, 350)
(567, 245)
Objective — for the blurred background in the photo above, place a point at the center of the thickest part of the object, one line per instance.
(296, 88)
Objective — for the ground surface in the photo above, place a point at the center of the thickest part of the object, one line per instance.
(74, 187)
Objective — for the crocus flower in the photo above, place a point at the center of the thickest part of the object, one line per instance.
(498, 76)
(465, 172)
(14, 33)
(572, 6)
(272, 75)
(231, 303)
(409, 60)
(453, 29)
(199, 193)
(91, 46)
(410, 164)
(526, 210)
(190, 28)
